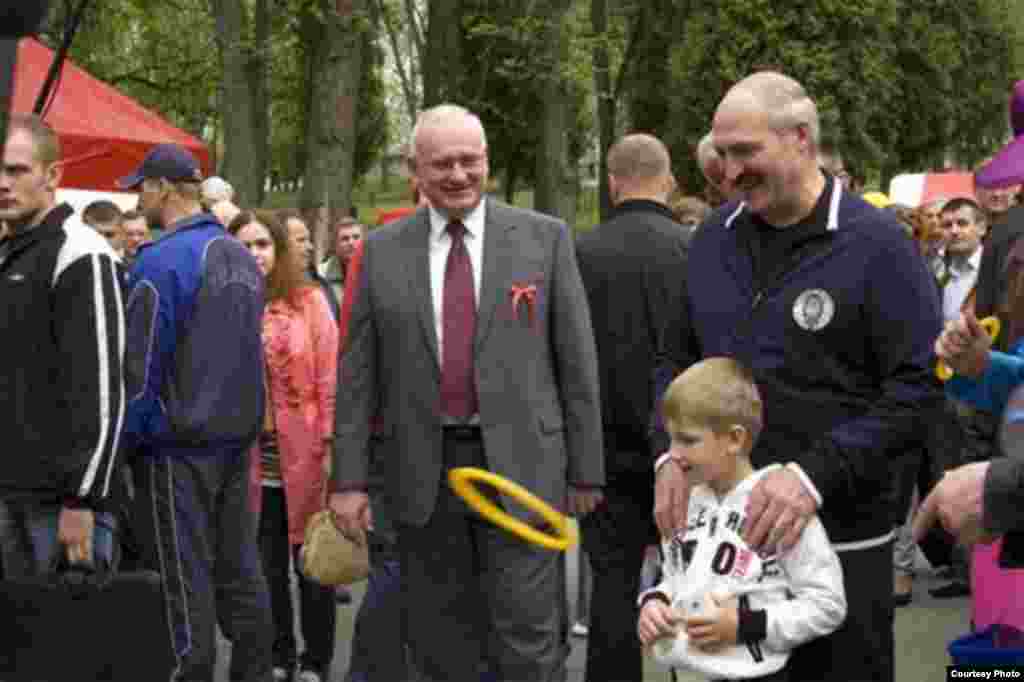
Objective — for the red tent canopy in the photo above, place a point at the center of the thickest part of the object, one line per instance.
(104, 134)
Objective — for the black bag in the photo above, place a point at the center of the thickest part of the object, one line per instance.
(82, 624)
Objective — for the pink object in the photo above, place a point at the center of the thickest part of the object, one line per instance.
(301, 349)
(997, 593)
(1007, 167)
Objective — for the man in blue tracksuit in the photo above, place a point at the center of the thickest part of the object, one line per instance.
(194, 376)
(833, 309)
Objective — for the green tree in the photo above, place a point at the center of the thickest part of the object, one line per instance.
(167, 55)
(898, 83)
(139, 47)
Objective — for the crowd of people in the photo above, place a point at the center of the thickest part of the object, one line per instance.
(745, 381)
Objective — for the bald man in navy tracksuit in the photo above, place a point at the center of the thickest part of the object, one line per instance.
(828, 303)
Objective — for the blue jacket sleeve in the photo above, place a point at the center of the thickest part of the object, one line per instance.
(991, 390)
(151, 340)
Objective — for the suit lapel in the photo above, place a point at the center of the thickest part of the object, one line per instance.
(417, 248)
(495, 270)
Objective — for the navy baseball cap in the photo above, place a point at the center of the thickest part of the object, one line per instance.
(169, 161)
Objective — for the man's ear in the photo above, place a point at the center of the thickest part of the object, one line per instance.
(54, 172)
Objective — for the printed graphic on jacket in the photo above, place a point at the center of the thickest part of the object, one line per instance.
(797, 595)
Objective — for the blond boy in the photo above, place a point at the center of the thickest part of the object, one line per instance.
(722, 609)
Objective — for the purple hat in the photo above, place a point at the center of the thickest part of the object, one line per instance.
(164, 161)
(1007, 167)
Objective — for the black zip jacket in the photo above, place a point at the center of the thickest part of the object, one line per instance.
(839, 338)
(61, 385)
(633, 268)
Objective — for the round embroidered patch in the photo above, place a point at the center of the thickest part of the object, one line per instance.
(813, 309)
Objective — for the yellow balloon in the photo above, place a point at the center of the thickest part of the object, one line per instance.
(461, 481)
(991, 325)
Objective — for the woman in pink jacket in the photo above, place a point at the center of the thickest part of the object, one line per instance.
(300, 346)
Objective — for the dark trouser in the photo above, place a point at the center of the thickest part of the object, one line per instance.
(861, 650)
(197, 530)
(476, 596)
(614, 537)
(317, 611)
(378, 649)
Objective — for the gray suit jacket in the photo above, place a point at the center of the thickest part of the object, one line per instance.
(537, 382)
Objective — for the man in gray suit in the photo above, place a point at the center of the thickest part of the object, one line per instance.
(508, 384)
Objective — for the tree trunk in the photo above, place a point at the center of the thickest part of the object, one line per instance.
(405, 64)
(511, 181)
(605, 98)
(649, 106)
(553, 180)
(239, 163)
(256, 75)
(442, 62)
(331, 138)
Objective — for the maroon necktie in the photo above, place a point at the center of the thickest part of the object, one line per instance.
(458, 314)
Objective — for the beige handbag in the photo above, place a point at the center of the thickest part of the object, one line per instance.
(330, 558)
(327, 556)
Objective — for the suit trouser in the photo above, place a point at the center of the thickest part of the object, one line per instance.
(198, 532)
(615, 536)
(317, 610)
(378, 647)
(475, 596)
(861, 650)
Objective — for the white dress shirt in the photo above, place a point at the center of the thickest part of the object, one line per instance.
(440, 245)
(963, 273)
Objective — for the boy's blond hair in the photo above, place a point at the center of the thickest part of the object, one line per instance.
(717, 393)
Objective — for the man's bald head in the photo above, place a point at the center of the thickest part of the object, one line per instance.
(782, 98)
(639, 166)
(766, 130)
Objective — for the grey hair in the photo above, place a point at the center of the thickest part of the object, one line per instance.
(439, 115)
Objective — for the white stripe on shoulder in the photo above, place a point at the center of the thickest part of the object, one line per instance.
(735, 214)
(81, 241)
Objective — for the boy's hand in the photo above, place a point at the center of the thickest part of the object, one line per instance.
(717, 626)
(657, 620)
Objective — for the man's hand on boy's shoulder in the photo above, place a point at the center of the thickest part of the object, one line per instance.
(778, 510)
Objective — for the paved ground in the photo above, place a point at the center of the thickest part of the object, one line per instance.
(923, 630)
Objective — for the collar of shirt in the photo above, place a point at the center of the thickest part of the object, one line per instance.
(474, 222)
(963, 266)
(330, 270)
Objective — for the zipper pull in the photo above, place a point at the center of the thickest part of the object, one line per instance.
(757, 301)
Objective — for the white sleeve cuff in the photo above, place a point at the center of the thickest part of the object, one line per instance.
(661, 460)
(805, 479)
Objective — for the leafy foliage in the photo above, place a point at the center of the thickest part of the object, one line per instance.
(164, 54)
(898, 83)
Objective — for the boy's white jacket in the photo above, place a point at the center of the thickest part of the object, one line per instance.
(800, 591)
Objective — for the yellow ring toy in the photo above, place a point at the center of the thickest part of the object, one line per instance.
(991, 325)
(461, 481)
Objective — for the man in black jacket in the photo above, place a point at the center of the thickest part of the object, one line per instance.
(632, 267)
(61, 384)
